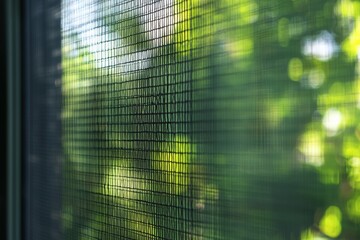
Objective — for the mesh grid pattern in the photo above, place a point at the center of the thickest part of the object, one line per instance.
(127, 117)
(202, 119)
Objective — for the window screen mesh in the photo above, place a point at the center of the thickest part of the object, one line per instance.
(194, 119)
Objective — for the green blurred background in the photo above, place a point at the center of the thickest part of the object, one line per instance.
(205, 119)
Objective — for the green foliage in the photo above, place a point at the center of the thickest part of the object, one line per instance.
(233, 120)
(173, 163)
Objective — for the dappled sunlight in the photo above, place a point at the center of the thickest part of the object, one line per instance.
(353, 208)
(240, 48)
(312, 146)
(311, 235)
(353, 171)
(347, 8)
(173, 161)
(249, 11)
(234, 119)
(295, 69)
(316, 78)
(352, 44)
(124, 184)
(330, 224)
(332, 121)
(321, 47)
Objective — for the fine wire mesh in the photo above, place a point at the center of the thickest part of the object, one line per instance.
(199, 119)
(127, 116)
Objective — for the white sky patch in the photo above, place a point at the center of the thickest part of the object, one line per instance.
(332, 121)
(80, 18)
(84, 18)
(159, 20)
(322, 47)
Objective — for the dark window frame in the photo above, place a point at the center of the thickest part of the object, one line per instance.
(13, 117)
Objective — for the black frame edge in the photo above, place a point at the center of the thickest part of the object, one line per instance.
(13, 64)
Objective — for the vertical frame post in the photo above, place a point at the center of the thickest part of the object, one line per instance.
(13, 63)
